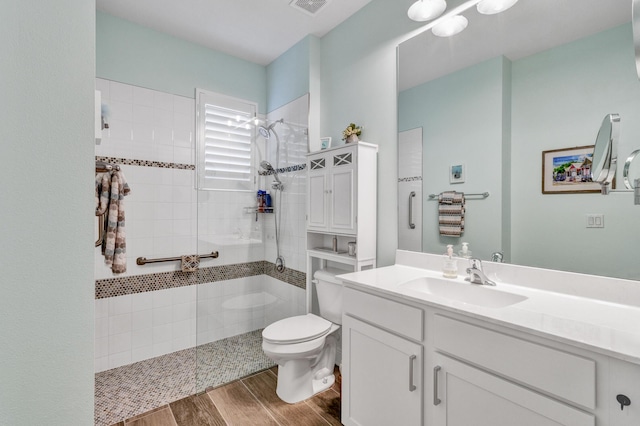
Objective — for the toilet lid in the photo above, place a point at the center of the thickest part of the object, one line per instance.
(296, 329)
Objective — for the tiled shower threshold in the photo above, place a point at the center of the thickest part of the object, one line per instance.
(136, 388)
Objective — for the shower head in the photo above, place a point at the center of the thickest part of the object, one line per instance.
(268, 167)
(265, 131)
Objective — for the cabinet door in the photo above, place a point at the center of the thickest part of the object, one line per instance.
(382, 377)
(342, 193)
(318, 194)
(470, 396)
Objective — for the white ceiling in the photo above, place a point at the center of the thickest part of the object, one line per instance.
(255, 30)
(530, 26)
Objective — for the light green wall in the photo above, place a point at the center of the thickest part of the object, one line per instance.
(359, 85)
(288, 76)
(46, 212)
(559, 100)
(136, 55)
(461, 115)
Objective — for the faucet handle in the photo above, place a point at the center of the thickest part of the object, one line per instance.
(476, 264)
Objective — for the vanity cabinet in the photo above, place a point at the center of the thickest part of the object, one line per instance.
(382, 365)
(409, 363)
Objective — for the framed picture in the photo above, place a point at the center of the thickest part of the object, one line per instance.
(325, 143)
(456, 173)
(568, 171)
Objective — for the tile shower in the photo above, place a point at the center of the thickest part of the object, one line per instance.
(155, 316)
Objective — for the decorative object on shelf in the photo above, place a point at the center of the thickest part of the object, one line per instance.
(351, 133)
(325, 143)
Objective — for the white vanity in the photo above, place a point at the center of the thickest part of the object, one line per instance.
(540, 348)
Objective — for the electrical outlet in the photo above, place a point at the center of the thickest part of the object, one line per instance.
(595, 220)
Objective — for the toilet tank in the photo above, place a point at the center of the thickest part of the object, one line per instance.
(329, 291)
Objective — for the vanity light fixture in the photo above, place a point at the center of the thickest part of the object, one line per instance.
(450, 26)
(452, 22)
(490, 7)
(426, 10)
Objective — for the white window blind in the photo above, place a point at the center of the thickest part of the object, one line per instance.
(225, 145)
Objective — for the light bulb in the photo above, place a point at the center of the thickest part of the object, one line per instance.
(450, 26)
(426, 10)
(490, 7)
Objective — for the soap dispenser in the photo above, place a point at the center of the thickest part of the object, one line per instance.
(465, 253)
(450, 267)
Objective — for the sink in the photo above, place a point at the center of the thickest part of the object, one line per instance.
(473, 294)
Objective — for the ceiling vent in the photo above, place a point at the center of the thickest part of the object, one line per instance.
(310, 7)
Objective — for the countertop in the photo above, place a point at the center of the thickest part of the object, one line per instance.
(612, 329)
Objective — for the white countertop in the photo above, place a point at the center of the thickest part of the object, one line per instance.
(595, 324)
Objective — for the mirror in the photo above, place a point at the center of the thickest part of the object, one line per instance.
(605, 152)
(537, 77)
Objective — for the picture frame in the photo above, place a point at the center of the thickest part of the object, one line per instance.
(325, 142)
(457, 173)
(568, 171)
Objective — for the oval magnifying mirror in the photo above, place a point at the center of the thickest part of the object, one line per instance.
(605, 156)
(631, 172)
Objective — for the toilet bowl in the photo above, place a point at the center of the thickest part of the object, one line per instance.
(304, 346)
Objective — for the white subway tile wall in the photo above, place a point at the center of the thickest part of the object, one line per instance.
(166, 216)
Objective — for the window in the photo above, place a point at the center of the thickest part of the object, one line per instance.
(224, 142)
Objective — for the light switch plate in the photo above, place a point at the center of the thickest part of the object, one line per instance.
(595, 220)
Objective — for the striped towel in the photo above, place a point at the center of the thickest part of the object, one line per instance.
(111, 187)
(451, 213)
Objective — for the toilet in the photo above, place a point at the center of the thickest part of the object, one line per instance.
(304, 346)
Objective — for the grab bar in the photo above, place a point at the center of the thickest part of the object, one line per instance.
(411, 197)
(144, 260)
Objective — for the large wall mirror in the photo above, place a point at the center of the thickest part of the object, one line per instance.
(538, 77)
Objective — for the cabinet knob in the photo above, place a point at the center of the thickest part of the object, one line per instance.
(623, 400)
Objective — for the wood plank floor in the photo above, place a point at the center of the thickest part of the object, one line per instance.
(249, 401)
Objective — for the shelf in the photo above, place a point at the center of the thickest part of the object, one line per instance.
(253, 210)
(328, 254)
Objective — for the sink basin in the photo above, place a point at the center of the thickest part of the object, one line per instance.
(473, 294)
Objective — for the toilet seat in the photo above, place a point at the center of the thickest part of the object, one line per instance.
(298, 329)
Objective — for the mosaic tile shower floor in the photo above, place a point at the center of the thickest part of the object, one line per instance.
(126, 391)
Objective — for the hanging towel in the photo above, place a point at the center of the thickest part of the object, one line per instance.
(114, 245)
(451, 207)
(190, 263)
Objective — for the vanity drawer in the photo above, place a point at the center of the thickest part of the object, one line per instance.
(393, 316)
(550, 370)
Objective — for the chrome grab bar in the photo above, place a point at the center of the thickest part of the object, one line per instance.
(412, 387)
(411, 197)
(436, 400)
(144, 260)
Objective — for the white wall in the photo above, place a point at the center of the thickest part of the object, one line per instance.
(47, 140)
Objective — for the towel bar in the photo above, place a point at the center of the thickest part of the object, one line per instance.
(144, 260)
(481, 194)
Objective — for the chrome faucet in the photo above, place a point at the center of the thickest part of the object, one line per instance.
(476, 275)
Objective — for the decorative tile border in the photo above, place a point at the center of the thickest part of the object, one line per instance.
(120, 286)
(288, 169)
(410, 179)
(146, 163)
